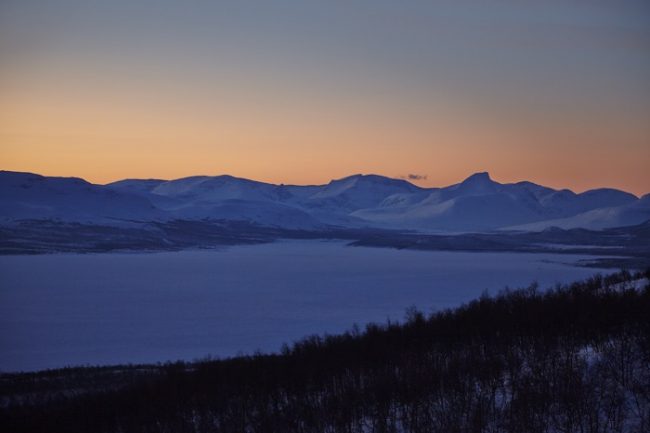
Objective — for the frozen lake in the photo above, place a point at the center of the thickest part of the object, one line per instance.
(74, 309)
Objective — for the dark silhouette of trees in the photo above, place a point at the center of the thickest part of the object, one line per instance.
(574, 358)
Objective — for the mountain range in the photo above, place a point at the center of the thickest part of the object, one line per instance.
(476, 204)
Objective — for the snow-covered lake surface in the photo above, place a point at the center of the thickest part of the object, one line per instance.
(77, 309)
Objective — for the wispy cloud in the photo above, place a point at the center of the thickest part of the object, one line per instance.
(412, 176)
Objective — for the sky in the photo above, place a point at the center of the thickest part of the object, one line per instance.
(556, 92)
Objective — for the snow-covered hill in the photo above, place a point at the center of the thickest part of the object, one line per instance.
(31, 196)
(477, 203)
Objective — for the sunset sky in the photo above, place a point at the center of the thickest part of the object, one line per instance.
(554, 91)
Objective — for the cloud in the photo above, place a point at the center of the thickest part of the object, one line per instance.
(412, 176)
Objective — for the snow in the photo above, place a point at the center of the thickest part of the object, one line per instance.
(359, 191)
(138, 186)
(71, 309)
(633, 213)
(217, 188)
(25, 196)
(477, 203)
(476, 184)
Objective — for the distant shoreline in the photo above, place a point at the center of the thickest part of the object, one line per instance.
(626, 247)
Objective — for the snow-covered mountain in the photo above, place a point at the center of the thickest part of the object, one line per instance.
(477, 203)
(224, 197)
(31, 196)
(628, 214)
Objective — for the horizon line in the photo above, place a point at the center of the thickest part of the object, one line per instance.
(399, 178)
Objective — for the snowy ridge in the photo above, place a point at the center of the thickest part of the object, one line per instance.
(477, 203)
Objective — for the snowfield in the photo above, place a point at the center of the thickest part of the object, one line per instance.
(71, 309)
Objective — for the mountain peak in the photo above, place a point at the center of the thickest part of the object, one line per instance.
(375, 179)
(478, 183)
(482, 176)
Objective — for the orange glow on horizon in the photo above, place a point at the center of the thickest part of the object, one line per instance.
(111, 140)
(103, 132)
